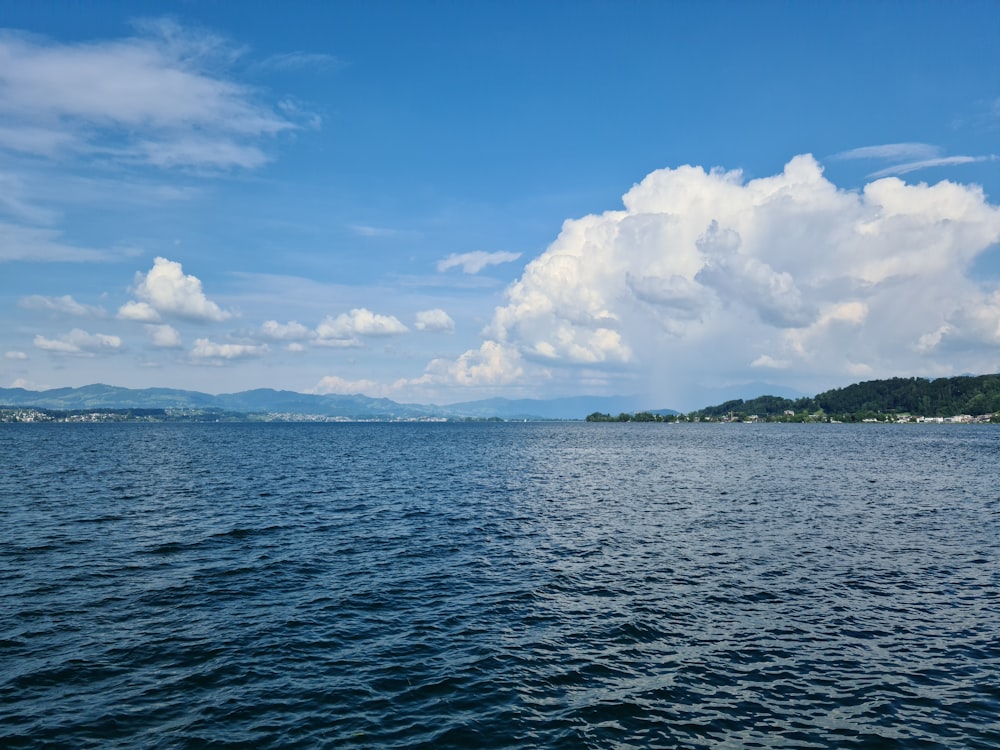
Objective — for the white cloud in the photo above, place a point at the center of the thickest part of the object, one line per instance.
(741, 278)
(943, 161)
(65, 304)
(164, 336)
(907, 157)
(167, 290)
(490, 364)
(358, 322)
(205, 153)
(435, 320)
(142, 312)
(768, 362)
(80, 343)
(334, 384)
(290, 331)
(42, 245)
(37, 139)
(475, 262)
(891, 152)
(15, 355)
(160, 97)
(703, 275)
(334, 343)
(205, 349)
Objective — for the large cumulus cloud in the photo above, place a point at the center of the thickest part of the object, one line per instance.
(167, 290)
(705, 274)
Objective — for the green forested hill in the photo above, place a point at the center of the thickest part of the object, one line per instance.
(941, 397)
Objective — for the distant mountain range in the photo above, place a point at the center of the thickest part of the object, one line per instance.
(266, 400)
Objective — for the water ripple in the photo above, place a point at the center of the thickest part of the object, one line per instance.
(499, 586)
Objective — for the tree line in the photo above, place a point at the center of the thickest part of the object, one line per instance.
(939, 397)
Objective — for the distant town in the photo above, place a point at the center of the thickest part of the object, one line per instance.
(30, 414)
(789, 415)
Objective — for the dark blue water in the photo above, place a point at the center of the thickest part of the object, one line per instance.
(499, 585)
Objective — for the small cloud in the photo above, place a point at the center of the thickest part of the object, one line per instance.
(204, 349)
(928, 342)
(164, 336)
(348, 343)
(141, 312)
(859, 369)
(15, 355)
(476, 261)
(290, 331)
(358, 322)
(80, 343)
(770, 363)
(65, 304)
(434, 321)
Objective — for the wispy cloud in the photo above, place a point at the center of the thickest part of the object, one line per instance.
(944, 161)
(65, 304)
(297, 61)
(158, 98)
(14, 202)
(891, 152)
(906, 158)
(475, 261)
(363, 230)
(44, 245)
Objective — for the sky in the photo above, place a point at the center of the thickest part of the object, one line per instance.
(439, 202)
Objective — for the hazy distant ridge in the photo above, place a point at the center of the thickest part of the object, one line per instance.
(267, 400)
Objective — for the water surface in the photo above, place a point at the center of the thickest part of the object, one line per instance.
(499, 585)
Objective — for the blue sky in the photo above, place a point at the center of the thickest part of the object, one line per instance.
(444, 201)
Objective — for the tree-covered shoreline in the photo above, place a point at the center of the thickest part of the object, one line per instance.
(890, 400)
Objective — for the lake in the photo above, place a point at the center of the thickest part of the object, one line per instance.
(558, 585)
